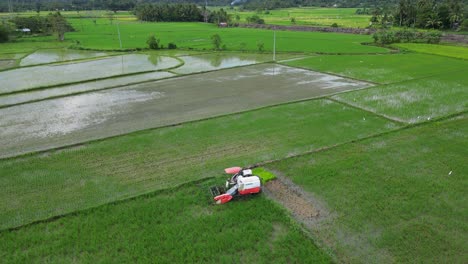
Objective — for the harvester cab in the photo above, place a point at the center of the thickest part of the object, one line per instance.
(242, 182)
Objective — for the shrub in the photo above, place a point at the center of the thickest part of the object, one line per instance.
(384, 37)
(171, 46)
(464, 25)
(335, 25)
(255, 19)
(152, 42)
(4, 34)
(216, 40)
(260, 46)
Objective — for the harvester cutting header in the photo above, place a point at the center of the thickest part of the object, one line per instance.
(243, 182)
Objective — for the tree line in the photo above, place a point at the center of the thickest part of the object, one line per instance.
(430, 14)
(114, 5)
(52, 23)
(169, 12)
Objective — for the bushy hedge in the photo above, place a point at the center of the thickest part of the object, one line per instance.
(406, 35)
(4, 34)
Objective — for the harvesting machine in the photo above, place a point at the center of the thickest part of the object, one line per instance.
(242, 182)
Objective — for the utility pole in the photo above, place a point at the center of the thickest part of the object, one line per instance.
(206, 11)
(118, 30)
(274, 44)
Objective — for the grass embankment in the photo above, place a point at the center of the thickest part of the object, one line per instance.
(460, 52)
(420, 87)
(41, 186)
(311, 16)
(173, 226)
(104, 35)
(397, 198)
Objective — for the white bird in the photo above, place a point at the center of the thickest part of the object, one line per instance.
(450, 172)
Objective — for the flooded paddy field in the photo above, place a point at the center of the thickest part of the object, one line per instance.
(20, 98)
(74, 119)
(6, 64)
(213, 61)
(58, 55)
(50, 75)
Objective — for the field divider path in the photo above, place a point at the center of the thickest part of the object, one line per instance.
(389, 118)
(334, 74)
(58, 63)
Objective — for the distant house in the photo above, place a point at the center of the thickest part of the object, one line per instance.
(24, 30)
(223, 24)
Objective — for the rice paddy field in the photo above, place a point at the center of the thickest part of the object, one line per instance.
(107, 155)
(311, 16)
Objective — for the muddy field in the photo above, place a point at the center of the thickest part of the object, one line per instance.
(74, 119)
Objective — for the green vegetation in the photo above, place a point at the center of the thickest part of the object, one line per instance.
(384, 37)
(421, 86)
(153, 43)
(397, 198)
(197, 36)
(126, 166)
(417, 100)
(172, 226)
(168, 12)
(265, 175)
(384, 193)
(216, 41)
(310, 16)
(4, 34)
(383, 68)
(443, 50)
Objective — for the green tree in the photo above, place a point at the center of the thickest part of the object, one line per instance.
(260, 46)
(456, 12)
(424, 13)
(433, 21)
(59, 25)
(152, 42)
(216, 41)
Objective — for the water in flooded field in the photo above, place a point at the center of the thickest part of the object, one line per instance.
(79, 88)
(58, 55)
(5, 64)
(213, 61)
(69, 120)
(49, 75)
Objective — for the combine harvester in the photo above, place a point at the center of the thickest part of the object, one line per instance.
(241, 183)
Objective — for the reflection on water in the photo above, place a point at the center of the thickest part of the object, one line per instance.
(210, 62)
(69, 113)
(47, 75)
(154, 59)
(58, 55)
(79, 88)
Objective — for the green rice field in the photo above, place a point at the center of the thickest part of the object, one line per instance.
(108, 154)
(311, 16)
